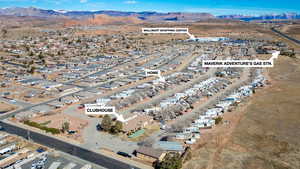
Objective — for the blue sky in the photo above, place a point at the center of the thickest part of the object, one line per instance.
(216, 7)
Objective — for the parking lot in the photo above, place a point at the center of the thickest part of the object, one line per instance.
(52, 161)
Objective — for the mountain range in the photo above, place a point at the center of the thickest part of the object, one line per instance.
(262, 17)
(143, 16)
(149, 16)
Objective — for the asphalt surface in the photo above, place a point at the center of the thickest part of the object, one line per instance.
(66, 147)
(286, 36)
(15, 102)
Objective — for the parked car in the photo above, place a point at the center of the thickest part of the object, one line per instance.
(124, 154)
(40, 150)
(13, 101)
(81, 106)
(190, 141)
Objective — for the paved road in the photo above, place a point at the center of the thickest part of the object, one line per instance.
(66, 147)
(286, 36)
(15, 102)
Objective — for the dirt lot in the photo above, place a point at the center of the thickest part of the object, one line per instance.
(4, 107)
(262, 134)
(57, 120)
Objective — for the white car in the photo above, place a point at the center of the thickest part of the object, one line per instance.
(190, 141)
(13, 101)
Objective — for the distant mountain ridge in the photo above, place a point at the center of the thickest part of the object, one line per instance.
(145, 16)
(262, 17)
(151, 16)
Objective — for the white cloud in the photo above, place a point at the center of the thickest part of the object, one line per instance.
(130, 2)
(83, 1)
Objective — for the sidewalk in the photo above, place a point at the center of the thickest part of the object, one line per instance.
(125, 160)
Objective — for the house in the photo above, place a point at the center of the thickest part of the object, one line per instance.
(12, 159)
(183, 136)
(150, 154)
(42, 109)
(224, 105)
(84, 95)
(30, 81)
(190, 130)
(56, 104)
(7, 148)
(69, 99)
(204, 121)
(103, 101)
(138, 122)
(66, 89)
(50, 85)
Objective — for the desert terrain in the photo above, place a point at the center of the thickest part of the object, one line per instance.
(262, 133)
(292, 30)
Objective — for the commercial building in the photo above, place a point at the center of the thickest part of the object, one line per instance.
(150, 154)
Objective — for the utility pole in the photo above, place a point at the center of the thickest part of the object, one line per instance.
(28, 135)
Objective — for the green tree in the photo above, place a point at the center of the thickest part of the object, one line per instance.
(218, 120)
(65, 126)
(106, 123)
(117, 128)
(31, 53)
(41, 56)
(171, 161)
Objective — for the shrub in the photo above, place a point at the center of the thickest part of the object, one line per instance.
(65, 126)
(39, 126)
(117, 128)
(187, 154)
(106, 123)
(218, 120)
(171, 161)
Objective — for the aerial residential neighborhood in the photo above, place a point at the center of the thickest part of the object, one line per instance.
(83, 89)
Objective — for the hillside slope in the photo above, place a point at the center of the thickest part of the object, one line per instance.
(267, 130)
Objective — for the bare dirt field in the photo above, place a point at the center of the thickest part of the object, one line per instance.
(199, 29)
(263, 133)
(218, 28)
(57, 120)
(4, 107)
(292, 30)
